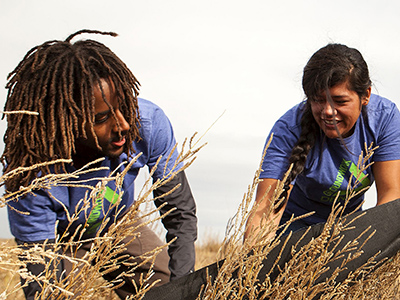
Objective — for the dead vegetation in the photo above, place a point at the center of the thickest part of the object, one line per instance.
(238, 277)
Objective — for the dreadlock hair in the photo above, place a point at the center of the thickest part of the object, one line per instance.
(56, 79)
(329, 66)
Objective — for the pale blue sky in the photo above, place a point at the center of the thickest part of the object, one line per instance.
(197, 59)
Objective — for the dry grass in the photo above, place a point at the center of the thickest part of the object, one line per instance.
(9, 277)
(381, 285)
(206, 254)
(207, 249)
(238, 277)
(85, 279)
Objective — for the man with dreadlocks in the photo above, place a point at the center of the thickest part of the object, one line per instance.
(87, 105)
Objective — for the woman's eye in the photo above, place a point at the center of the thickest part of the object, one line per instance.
(317, 100)
(340, 102)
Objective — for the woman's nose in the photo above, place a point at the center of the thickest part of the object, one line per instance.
(328, 109)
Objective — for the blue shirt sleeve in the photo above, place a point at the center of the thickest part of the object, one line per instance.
(158, 136)
(37, 220)
(286, 132)
(384, 119)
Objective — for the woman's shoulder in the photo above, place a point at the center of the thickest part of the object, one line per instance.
(381, 114)
(380, 105)
(292, 118)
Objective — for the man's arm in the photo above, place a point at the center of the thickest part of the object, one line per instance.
(180, 223)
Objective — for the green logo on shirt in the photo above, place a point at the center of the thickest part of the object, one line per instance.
(330, 194)
(94, 220)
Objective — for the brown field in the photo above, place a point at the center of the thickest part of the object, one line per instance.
(6, 277)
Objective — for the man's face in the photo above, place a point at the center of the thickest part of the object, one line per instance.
(110, 129)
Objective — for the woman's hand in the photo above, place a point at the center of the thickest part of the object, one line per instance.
(256, 221)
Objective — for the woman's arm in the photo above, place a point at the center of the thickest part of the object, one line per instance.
(387, 180)
(263, 199)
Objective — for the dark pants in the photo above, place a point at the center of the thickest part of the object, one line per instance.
(147, 241)
(294, 226)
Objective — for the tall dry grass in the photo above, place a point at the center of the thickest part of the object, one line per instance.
(85, 279)
(238, 276)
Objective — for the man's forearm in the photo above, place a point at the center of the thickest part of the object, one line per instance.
(180, 223)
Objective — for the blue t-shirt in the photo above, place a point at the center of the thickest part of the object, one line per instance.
(330, 164)
(45, 207)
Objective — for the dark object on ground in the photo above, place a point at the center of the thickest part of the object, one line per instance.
(386, 241)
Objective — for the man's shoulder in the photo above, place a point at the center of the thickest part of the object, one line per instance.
(147, 108)
(151, 117)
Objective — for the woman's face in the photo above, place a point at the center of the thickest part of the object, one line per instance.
(341, 115)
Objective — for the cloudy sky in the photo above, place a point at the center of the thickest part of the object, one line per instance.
(200, 59)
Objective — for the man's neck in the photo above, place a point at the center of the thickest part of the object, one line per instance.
(84, 155)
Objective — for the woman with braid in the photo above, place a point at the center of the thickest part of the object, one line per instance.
(88, 108)
(323, 137)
